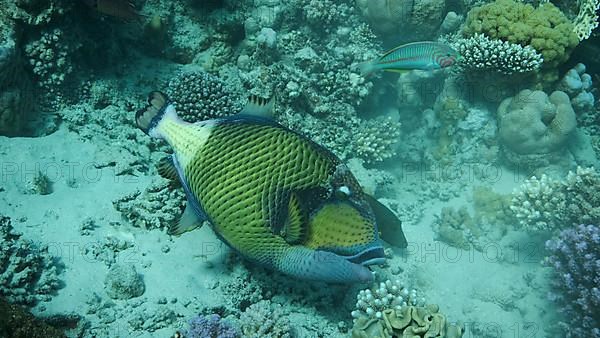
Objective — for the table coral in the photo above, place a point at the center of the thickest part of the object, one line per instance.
(545, 28)
(533, 123)
(28, 273)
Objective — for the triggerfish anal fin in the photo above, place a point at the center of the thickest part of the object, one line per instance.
(258, 106)
(188, 221)
(389, 225)
(166, 169)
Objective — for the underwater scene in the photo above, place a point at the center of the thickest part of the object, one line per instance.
(299, 168)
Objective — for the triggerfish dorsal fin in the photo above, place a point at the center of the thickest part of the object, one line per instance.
(258, 106)
(166, 169)
(188, 221)
(147, 118)
(389, 225)
(294, 227)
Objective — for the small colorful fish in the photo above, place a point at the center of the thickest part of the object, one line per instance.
(424, 55)
(121, 9)
(273, 195)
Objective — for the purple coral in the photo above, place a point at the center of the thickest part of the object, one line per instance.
(575, 257)
(211, 326)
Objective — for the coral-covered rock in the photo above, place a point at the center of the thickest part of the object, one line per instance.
(28, 273)
(533, 123)
(212, 326)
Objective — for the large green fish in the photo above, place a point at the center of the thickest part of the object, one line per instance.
(273, 195)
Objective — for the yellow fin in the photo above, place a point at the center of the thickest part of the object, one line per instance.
(187, 222)
(294, 228)
(399, 71)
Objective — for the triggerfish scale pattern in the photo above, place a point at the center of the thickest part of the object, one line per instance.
(425, 55)
(273, 195)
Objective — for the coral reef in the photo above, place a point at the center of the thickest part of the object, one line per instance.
(211, 326)
(481, 53)
(574, 256)
(15, 86)
(123, 282)
(28, 274)
(420, 19)
(265, 319)
(16, 322)
(155, 208)
(546, 204)
(199, 96)
(533, 126)
(456, 228)
(372, 140)
(545, 28)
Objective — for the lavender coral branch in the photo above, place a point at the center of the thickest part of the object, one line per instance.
(575, 257)
(211, 326)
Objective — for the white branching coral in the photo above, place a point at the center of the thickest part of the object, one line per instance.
(546, 204)
(389, 295)
(482, 53)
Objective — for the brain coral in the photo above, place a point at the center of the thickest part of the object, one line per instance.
(533, 123)
(544, 28)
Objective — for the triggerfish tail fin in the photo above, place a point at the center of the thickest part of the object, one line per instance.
(389, 225)
(258, 106)
(147, 118)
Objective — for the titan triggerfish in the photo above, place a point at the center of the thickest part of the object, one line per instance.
(273, 195)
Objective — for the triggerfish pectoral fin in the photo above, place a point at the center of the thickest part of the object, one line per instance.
(305, 263)
(389, 225)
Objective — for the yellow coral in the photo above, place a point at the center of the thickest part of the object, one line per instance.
(544, 28)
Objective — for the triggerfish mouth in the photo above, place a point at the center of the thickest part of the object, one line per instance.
(423, 55)
(271, 194)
